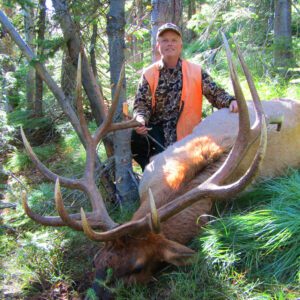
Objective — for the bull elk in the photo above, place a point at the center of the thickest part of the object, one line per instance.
(218, 160)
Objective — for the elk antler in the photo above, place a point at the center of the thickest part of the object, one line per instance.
(214, 186)
(99, 218)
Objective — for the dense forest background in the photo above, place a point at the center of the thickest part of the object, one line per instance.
(38, 92)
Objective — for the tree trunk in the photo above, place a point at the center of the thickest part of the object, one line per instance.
(122, 153)
(8, 92)
(93, 53)
(89, 82)
(283, 35)
(163, 11)
(29, 38)
(68, 77)
(190, 34)
(38, 105)
(92, 50)
(140, 14)
(191, 8)
(136, 53)
(73, 42)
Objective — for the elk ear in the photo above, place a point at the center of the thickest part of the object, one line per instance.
(176, 254)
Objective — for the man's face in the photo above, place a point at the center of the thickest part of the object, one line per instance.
(169, 45)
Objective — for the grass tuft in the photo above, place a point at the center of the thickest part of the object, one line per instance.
(262, 243)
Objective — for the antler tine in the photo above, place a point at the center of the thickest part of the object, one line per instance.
(251, 84)
(44, 220)
(124, 125)
(154, 214)
(72, 183)
(151, 222)
(245, 123)
(139, 226)
(61, 209)
(69, 220)
(79, 103)
(105, 126)
(245, 137)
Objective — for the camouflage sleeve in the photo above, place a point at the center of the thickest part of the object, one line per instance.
(143, 100)
(217, 96)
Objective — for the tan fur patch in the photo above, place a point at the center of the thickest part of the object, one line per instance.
(190, 158)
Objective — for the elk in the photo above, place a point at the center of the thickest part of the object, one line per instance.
(178, 186)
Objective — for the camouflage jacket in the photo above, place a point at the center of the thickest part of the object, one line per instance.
(168, 95)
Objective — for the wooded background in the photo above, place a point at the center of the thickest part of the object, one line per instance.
(111, 33)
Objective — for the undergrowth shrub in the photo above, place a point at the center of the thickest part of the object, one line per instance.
(39, 130)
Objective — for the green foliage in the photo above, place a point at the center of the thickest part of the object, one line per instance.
(71, 147)
(42, 199)
(91, 295)
(50, 47)
(42, 256)
(124, 212)
(20, 161)
(241, 19)
(24, 118)
(15, 84)
(141, 33)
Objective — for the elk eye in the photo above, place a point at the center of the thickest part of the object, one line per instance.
(138, 268)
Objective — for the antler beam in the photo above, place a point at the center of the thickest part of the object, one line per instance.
(99, 218)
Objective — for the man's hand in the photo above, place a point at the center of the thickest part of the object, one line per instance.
(142, 129)
(233, 107)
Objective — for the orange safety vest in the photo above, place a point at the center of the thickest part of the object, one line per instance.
(191, 95)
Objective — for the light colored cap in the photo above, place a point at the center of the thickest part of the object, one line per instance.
(166, 27)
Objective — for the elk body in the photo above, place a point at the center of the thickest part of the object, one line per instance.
(189, 162)
(178, 187)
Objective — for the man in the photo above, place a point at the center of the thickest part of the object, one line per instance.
(168, 102)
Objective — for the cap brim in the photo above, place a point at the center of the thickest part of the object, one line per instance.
(168, 29)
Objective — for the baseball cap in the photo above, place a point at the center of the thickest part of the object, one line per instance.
(166, 27)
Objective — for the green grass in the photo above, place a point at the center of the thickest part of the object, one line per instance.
(35, 258)
(20, 161)
(262, 242)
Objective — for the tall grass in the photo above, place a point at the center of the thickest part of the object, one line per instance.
(264, 242)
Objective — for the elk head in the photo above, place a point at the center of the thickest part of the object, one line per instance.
(136, 249)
